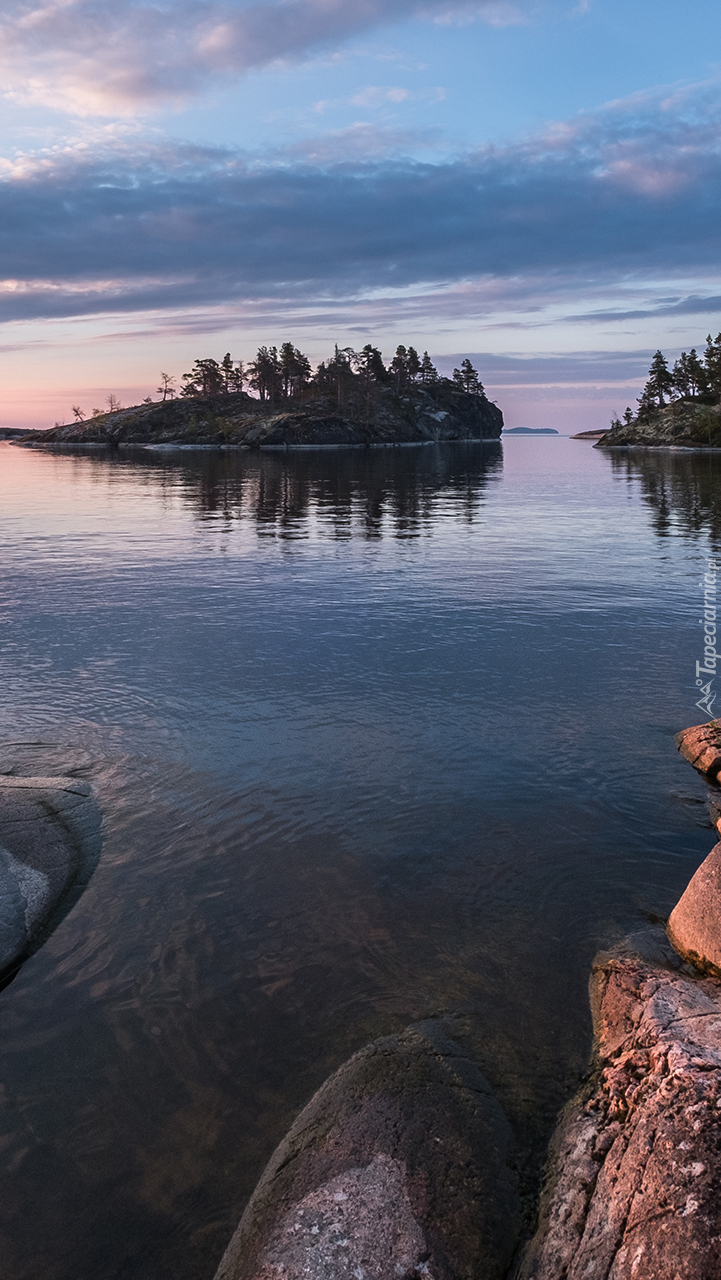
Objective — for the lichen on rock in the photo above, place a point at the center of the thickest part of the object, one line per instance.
(399, 1166)
(632, 1187)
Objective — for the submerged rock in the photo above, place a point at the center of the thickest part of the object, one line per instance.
(633, 1184)
(694, 926)
(398, 1167)
(49, 848)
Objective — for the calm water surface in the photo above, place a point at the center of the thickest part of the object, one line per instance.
(376, 736)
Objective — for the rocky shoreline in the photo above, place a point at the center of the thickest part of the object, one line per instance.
(416, 415)
(681, 424)
(404, 1164)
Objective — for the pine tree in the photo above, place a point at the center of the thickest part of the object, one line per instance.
(166, 389)
(399, 367)
(660, 381)
(369, 363)
(428, 373)
(413, 364)
(698, 382)
(646, 405)
(689, 378)
(335, 376)
(712, 364)
(628, 415)
(205, 379)
(265, 374)
(467, 379)
(294, 369)
(232, 373)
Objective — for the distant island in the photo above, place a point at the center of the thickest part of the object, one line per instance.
(679, 406)
(529, 431)
(351, 399)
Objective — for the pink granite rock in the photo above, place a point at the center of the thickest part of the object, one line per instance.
(400, 1166)
(694, 926)
(714, 808)
(634, 1182)
(701, 746)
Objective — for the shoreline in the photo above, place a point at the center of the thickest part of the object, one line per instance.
(173, 447)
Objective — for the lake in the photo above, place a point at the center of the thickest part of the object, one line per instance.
(376, 735)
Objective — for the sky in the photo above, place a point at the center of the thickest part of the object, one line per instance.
(533, 185)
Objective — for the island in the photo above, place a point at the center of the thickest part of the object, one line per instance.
(530, 431)
(352, 399)
(678, 407)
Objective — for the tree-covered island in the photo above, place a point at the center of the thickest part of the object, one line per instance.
(678, 406)
(277, 401)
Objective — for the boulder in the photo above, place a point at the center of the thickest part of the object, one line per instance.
(49, 847)
(632, 1191)
(399, 1166)
(694, 926)
(714, 808)
(701, 746)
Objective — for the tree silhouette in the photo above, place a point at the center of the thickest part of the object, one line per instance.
(294, 370)
(712, 364)
(405, 366)
(689, 376)
(204, 380)
(428, 371)
(166, 388)
(467, 379)
(233, 374)
(660, 381)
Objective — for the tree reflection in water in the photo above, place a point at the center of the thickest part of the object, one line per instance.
(682, 489)
(369, 493)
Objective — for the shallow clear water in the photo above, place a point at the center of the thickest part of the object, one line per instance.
(375, 736)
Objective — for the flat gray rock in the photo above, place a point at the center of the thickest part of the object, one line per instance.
(49, 848)
(694, 926)
(399, 1166)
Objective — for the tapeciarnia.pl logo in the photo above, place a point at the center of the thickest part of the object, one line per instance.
(707, 668)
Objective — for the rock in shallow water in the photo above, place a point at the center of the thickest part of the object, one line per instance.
(701, 746)
(398, 1166)
(49, 848)
(694, 925)
(633, 1185)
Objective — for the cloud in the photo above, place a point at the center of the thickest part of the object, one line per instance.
(378, 95)
(97, 57)
(691, 306)
(549, 223)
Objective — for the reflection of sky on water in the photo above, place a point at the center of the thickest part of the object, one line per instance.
(374, 735)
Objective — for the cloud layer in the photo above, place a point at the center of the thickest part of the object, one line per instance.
(630, 193)
(103, 57)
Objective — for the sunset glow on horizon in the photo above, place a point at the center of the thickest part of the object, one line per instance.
(534, 186)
